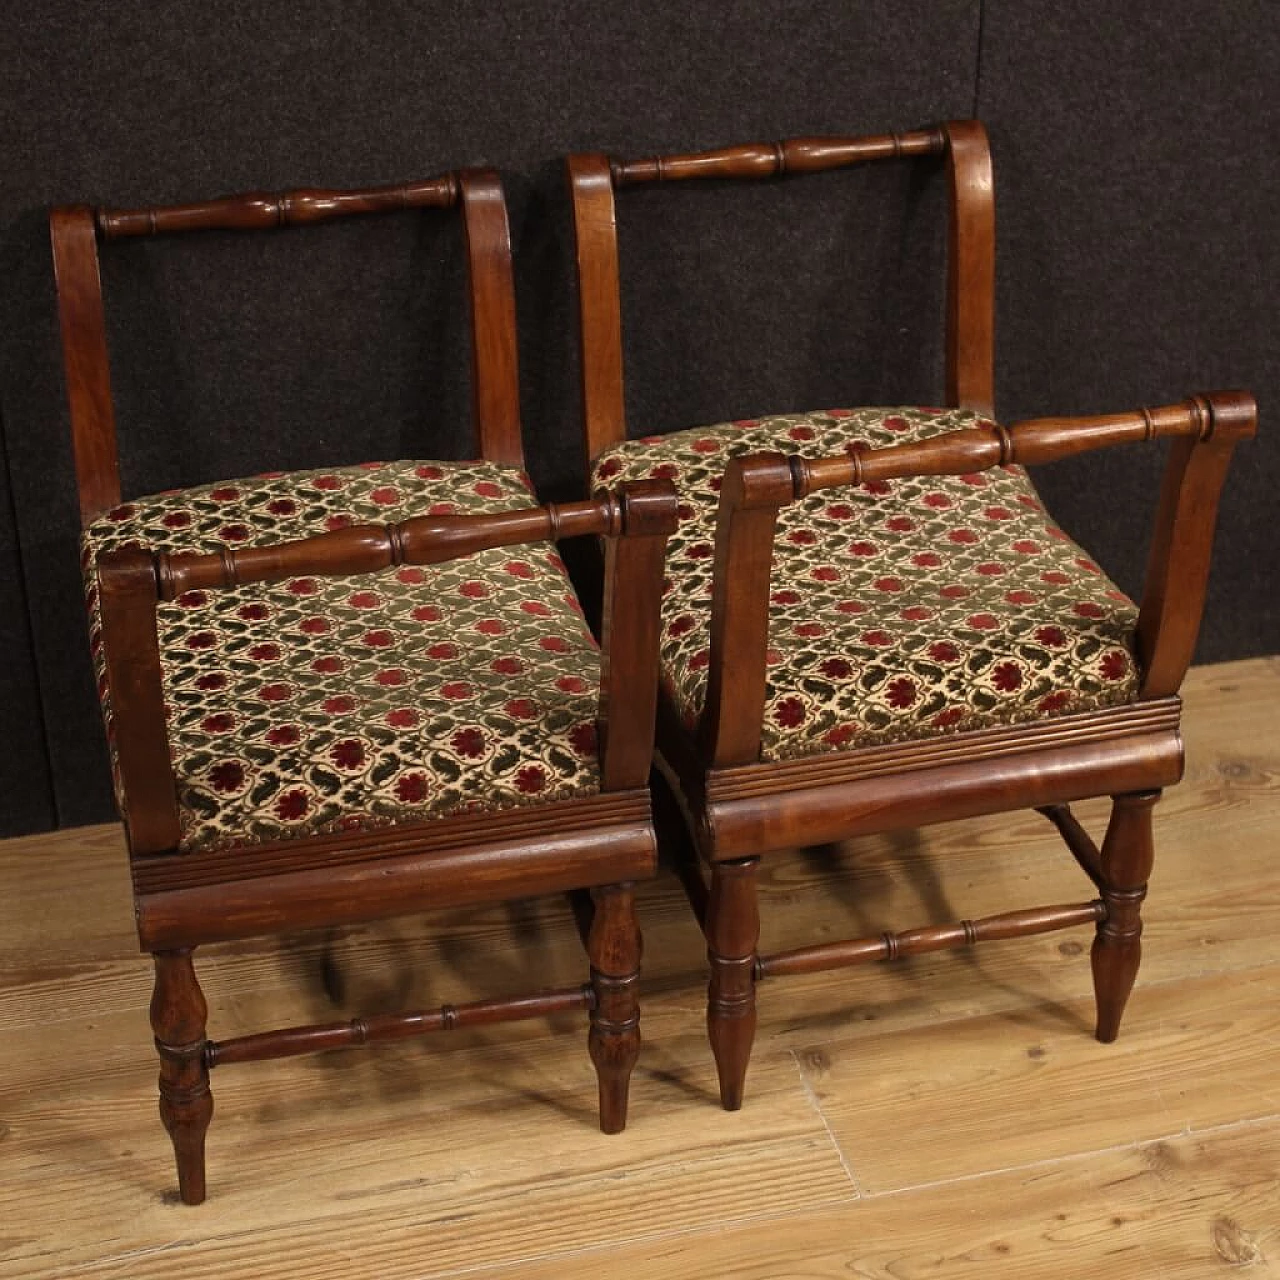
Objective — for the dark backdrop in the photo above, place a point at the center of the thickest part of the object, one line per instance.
(1136, 207)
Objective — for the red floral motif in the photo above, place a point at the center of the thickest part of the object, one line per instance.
(278, 692)
(250, 612)
(902, 692)
(531, 779)
(379, 638)
(219, 722)
(192, 599)
(789, 712)
(402, 718)
(836, 668)
(582, 738)
(1007, 676)
(507, 666)
(227, 776)
(347, 754)
(456, 690)
(469, 743)
(284, 735)
(327, 666)
(264, 652)
(314, 626)
(944, 651)
(1115, 665)
(392, 677)
(411, 788)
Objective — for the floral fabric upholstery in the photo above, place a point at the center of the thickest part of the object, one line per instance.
(324, 704)
(898, 610)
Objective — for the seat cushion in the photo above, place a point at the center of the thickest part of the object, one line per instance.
(324, 704)
(897, 610)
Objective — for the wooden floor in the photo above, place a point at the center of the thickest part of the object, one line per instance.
(941, 1117)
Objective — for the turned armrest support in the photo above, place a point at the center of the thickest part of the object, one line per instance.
(1205, 430)
(636, 519)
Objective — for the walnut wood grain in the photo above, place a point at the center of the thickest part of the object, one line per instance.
(971, 268)
(495, 367)
(774, 159)
(732, 927)
(419, 540)
(261, 210)
(940, 937)
(614, 947)
(634, 565)
(84, 356)
(1181, 549)
(825, 811)
(131, 650)
(595, 228)
(292, 1042)
(409, 879)
(1077, 839)
(178, 1013)
(1127, 858)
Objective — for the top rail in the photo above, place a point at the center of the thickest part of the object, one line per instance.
(772, 159)
(260, 210)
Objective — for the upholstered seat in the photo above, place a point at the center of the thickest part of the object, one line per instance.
(899, 610)
(331, 703)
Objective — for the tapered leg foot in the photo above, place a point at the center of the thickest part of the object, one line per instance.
(178, 1013)
(733, 930)
(613, 947)
(1127, 856)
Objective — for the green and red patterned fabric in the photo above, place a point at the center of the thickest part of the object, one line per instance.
(328, 704)
(898, 610)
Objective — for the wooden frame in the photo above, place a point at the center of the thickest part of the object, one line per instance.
(740, 807)
(602, 842)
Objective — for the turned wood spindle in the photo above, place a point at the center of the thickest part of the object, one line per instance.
(1127, 857)
(614, 947)
(178, 1013)
(733, 932)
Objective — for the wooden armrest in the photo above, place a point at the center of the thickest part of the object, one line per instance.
(1205, 430)
(636, 519)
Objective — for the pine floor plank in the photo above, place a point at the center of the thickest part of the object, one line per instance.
(1183, 1208)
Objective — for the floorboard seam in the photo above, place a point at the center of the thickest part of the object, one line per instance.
(1187, 1131)
(811, 1094)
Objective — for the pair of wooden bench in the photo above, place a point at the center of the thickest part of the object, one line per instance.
(334, 695)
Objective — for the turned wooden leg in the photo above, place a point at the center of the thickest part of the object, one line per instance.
(178, 1013)
(733, 930)
(613, 947)
(1127, 855)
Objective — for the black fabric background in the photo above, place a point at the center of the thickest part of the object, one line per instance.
(1135, 199)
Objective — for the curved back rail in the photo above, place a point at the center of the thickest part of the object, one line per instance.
(636, 520)
(593, 179)
(75, 231)
(1204, 429)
